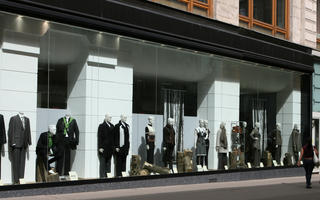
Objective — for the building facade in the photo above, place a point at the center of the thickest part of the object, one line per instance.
(219, 79)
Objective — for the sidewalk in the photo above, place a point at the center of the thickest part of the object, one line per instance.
(122, 193)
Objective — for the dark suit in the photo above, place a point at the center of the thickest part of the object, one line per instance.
(42, 151)
(121, 156)
(105, 141)
(19, 138)
(3, 138)
(168, 143)
(66, 139)
(276, 144)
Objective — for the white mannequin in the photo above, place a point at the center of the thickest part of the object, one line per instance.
(107, 119)
(21, 114)
(256, 126)
(170, 122)
(244, 124)
(52, 129)
(199, 129)
(295, 126)
(67, 116)
(150, 122)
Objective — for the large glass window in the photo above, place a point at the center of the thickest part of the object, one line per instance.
(99, 105)
(267, 16)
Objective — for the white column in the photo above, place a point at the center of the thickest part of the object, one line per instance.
(218, 101)
(101, 87)
(18, 92)
(289, 113)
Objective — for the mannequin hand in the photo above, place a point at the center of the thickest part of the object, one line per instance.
(117, 149)
(299, 163)
(148, 147)
(276, 146)
(164, 148)
(101, 150)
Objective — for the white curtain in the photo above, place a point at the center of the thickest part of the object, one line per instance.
(174, 108)
(259, 114)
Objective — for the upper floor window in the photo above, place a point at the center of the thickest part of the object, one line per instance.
(200, 7)
(267, 16)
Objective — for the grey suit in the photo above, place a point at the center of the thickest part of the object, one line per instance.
(255, 136)
(19, 138)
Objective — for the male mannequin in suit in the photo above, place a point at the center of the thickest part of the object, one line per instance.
(121, 144)
(67, 138)
(3, 138)
(19, 138)
(105, 145)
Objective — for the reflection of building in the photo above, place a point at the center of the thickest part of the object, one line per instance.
(122, 57)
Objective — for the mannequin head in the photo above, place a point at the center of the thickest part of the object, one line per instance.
(295, 126)
(170, 121)
(201, 123)
(68, 114)
(52, 129)
(21, 113)
(206, 123)
(244, 124)
(222, 124)
(278, 125)
(257, 125)
(107, 118)
(123, 118)
(150, 120)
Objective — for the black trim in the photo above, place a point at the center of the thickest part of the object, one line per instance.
(149, 21)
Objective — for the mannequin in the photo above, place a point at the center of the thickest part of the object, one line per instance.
(67, 140)
(105, 145)
(222, 146)
(3, 138)
(255, 137)
(150, 139)
(19, 138)
(200, 143)
(296, 144)
(276, 142)
(206, 126)
(168, 143)
(45, 147)
(121, 144)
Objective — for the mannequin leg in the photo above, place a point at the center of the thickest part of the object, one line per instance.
(16, 154)
(278, 154)
(123, 163)
(67, 161)
(102, 167)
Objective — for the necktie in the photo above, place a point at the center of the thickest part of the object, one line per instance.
(23, 122)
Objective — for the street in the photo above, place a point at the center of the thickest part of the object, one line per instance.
(280, 188)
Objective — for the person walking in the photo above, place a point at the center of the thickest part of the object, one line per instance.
(307, 152)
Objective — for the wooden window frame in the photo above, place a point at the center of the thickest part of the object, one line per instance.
(273, 27)
(196, 3)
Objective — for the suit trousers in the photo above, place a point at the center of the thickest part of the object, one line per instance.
(18, 163)
(150, 153)
(223, 160)
(121, 161)
(296, 157)
(63, 160)
(168, 156)
(278, 154)
(105, 165)
(256, 157)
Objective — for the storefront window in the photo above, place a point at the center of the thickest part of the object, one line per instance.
(99, 105)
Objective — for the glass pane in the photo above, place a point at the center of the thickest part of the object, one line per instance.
(203, 1)
(262, 10)
(281, 9)
(262, 29)
(244, 7)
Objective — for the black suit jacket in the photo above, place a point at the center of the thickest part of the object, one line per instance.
(42, 145)
(169, 136)
(124, 150)
(3, 138)
(106, 138)
(73, 133)
(18, 136)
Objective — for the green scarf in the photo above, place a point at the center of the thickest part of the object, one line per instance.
(66, 125)
(50, 143)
